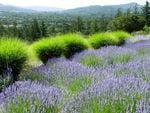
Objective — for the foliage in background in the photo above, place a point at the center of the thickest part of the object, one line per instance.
(129, 23)
(32, 26)
(146, 13)
(147, 29)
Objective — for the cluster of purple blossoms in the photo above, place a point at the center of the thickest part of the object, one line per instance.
(137, 68)
(29, 92)
(106, 56)
(130, 93)
(63, 70)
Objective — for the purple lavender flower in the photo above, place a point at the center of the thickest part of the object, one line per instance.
(65, 70)
(32, 93)
(106, 56)
(137, 68)
(125, 92)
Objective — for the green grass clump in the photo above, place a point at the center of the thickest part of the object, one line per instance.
(30, 104)
(92, 61)
(143, 51)
(123, 58)
(102, 39)
(48, 48)
(79, 84)
(121, 36)
(13, 54)
(110, 104)
(74, 43)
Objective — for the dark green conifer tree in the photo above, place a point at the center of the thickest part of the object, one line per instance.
(43, 29)
(146, 13)
(79, 24)
(35, 30)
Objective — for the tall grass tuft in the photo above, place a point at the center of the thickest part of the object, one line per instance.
(48, 48)
(74, 43)
(13, 55)
(102, 39)
(121, 36)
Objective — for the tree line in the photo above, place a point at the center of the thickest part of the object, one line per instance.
(130, 21)
(35, 29)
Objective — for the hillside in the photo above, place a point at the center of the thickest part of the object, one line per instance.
(88, 11)
(100, 10)
(44, 9)
(9, 8)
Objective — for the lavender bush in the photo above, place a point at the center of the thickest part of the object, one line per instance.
(113, 95)
(106, 56)
(30, 97)
(139, 69)
(65, 73)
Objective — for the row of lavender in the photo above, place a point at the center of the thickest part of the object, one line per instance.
(108, 80)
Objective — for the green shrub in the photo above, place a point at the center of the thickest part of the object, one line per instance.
(74, 43)
(48, 48)
(147, 29)
(129, 23)
(13, 54)
(121, 36)
(102, 39)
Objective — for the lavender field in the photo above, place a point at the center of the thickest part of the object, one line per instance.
(112, 79)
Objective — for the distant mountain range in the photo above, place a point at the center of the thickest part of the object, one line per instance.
(90, 10)
(9, 8)
(44, 9)
(108, 9)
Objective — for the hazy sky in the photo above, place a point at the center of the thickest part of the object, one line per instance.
(67, 3)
